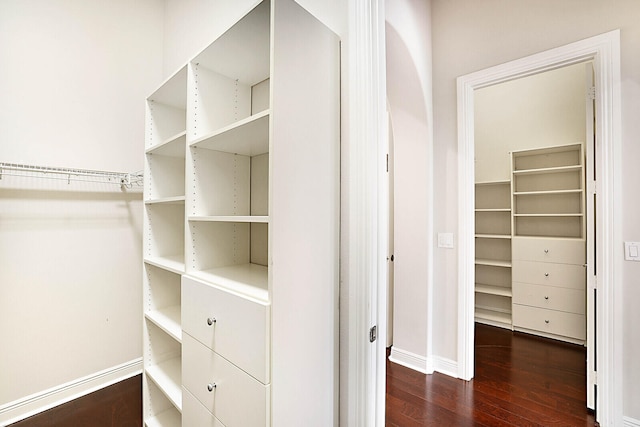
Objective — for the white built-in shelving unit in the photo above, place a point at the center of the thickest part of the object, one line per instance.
(493, 253)
(549, 243)
(165, 148)
(242, 227)
(530, 245)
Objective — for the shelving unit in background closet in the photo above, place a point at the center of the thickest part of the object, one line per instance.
(493, 253)
(549, 243)
(242, 227)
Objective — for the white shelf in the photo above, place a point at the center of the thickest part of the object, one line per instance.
(494, 318)
(168, 418)
(546, 192)
(175, 200)
(541, 171)
(167, 319)
(168, 377)
(243, 51)
(173, 146)
(249, 280)
(493, 262)
(173, 263)
(264, 219)
(551, 215)
(494, 236)
(560, 239)
(493, 290)
(499, 182)
(562, 148)
(494, 210)
(173, 90)
(249, 137)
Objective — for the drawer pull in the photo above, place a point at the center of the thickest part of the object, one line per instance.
(546, 274)
(211, 321)
(546, 321)
(546, 297)
(546, 251)
(211, 386)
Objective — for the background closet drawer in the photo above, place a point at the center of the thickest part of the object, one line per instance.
(550, 274)
(549, 321)
(551, 297)
(194, 414)
(563, 251)
(233, 326)
(231, 395)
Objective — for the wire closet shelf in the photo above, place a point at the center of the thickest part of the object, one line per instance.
(123, 179)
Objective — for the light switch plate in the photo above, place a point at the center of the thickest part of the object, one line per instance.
(632, 251)
(445, 240)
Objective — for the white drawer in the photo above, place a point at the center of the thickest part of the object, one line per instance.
(572, 276)
(549, 321)
(237, 398)
(240, 332)
(551, 297)
(563, 251)
(194, 414)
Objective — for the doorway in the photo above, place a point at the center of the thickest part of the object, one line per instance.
(604, 51)
(533, 219)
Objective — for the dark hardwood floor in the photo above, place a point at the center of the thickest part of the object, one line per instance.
(119, 405)
(520, 380)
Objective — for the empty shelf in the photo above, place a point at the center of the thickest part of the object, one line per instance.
(167, 319)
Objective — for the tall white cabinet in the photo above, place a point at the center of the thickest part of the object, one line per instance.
(549, 242)
(242, 219)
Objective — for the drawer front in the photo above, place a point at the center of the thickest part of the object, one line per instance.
(551, 297)
(240, 332)
(544, 273)
(550, 321)
(563, 251)
(194, 414)
(237, 398)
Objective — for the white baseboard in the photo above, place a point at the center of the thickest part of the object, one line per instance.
(445, 366)
(426, 365)
(47, 399)
(631, 422)
(411, 360)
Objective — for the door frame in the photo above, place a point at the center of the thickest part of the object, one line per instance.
(604, 51)
(363, 218)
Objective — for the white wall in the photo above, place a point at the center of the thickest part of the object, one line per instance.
(73, 80)
(535, 111)
(408, 47)
(470, 36)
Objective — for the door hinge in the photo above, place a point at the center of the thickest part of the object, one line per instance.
(387, 163)
(591, 93)
(373, 333)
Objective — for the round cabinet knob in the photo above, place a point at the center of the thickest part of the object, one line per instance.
(211, 386)
(546, 251)
(211, 321)
(546, 321)
(546, 274)
(546, 297)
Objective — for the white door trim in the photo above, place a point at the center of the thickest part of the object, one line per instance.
(364, 271)
(604, 50)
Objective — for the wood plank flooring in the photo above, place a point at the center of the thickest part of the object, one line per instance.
(520, 380)
(119, 405)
